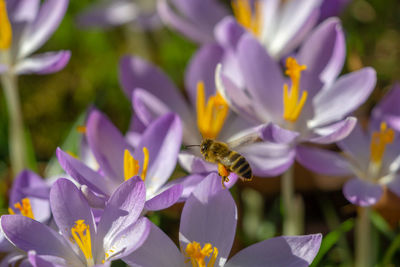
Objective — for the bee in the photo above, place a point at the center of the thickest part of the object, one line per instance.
(219, 152)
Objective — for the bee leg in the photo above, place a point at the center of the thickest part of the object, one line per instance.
(223, 172)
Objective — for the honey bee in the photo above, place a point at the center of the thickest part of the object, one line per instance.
(220, 153)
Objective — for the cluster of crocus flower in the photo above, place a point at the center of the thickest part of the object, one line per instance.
(265, 78)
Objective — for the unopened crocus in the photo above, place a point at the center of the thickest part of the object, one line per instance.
(153, 159)
(311, 105)
(206, 233)
(80, 242)
(110, 13)
(24, 27)
(371, 158)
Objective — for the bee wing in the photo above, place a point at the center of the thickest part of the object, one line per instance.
(247, 139)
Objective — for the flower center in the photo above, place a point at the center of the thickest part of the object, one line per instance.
(5, 27)
(81, 234)
(197, 254)
(378, 144)
(292, 105)
(210, 116)
(131, 165)
(24, 208)
(247, 17)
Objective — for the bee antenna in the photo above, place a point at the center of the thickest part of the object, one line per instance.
(185, 147)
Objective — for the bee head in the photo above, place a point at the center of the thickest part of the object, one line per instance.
(205, 145)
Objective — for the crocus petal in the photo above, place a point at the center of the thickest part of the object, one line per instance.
(290, 251)
(262, 76)
(362, 193)
(158, 250)
(334, 132)
(108, 13)
(122, 210)
(23, 10)
(39, 31)
(290, 24)
(323, 53)
(345, 95)
(68, 206)
(322, 161)
(332, 8)
(138, 73)
(107, 144)
(202, 68)
(126, 240)
(46, 261)
(195, 164)
(165, 199)
(388, 109)
(201, 219)
(28, 234)
(228, 32)
(85, 175)
(28, 183)
(268, 159)
(43, 63)
(356, 144)
(188, 183)
(274, 133)
(163, 140)
(147, 106)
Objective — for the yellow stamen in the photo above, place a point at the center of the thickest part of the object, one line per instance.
(131, 165)
(81, 234)
(210, 116)
(5, 27)
(72, 154)
(249, 19)
(292, 106)
(24, 208)
(379, 141)
(81, 129)
(197, 255)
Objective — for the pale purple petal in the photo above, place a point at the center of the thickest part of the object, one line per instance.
(123, 209)
(85, 175)
(268, 159)
(158, 250)
(322, 161)
(22, 10)
(362, 193)
(388, 109)
(165, 198)
(345, 95)
(201, 219)
(147, 106)
(276, 134)
(163, 140)
(125, 240)
(330, 8)
(47, 261)
(202, 68)
(188, 183)
(108, 13)
(68, 206)
(334, 132)
(323, 53)
(28, 234)
(138, 73)
(3, 68)
(43, 63)
(195, 164)
(288, 251)
(39, 31)
(262, 76)
(28, 183)
(107, 144)
(228, 32)
(356, 144)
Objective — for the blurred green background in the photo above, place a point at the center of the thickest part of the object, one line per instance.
(52, 103)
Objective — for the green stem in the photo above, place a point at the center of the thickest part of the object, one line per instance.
(394, 247)
(293, 206)
(17, 142)
(363, 239)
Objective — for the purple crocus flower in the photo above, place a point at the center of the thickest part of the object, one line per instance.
(373, 157)
(206, 233)
(109, 13)
(316, 107)
(80, 242)
(388, 109)
(25, 27)
(154, 158)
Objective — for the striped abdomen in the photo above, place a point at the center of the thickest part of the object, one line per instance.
(239, 165)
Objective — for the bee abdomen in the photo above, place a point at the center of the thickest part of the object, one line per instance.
(242, 168)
